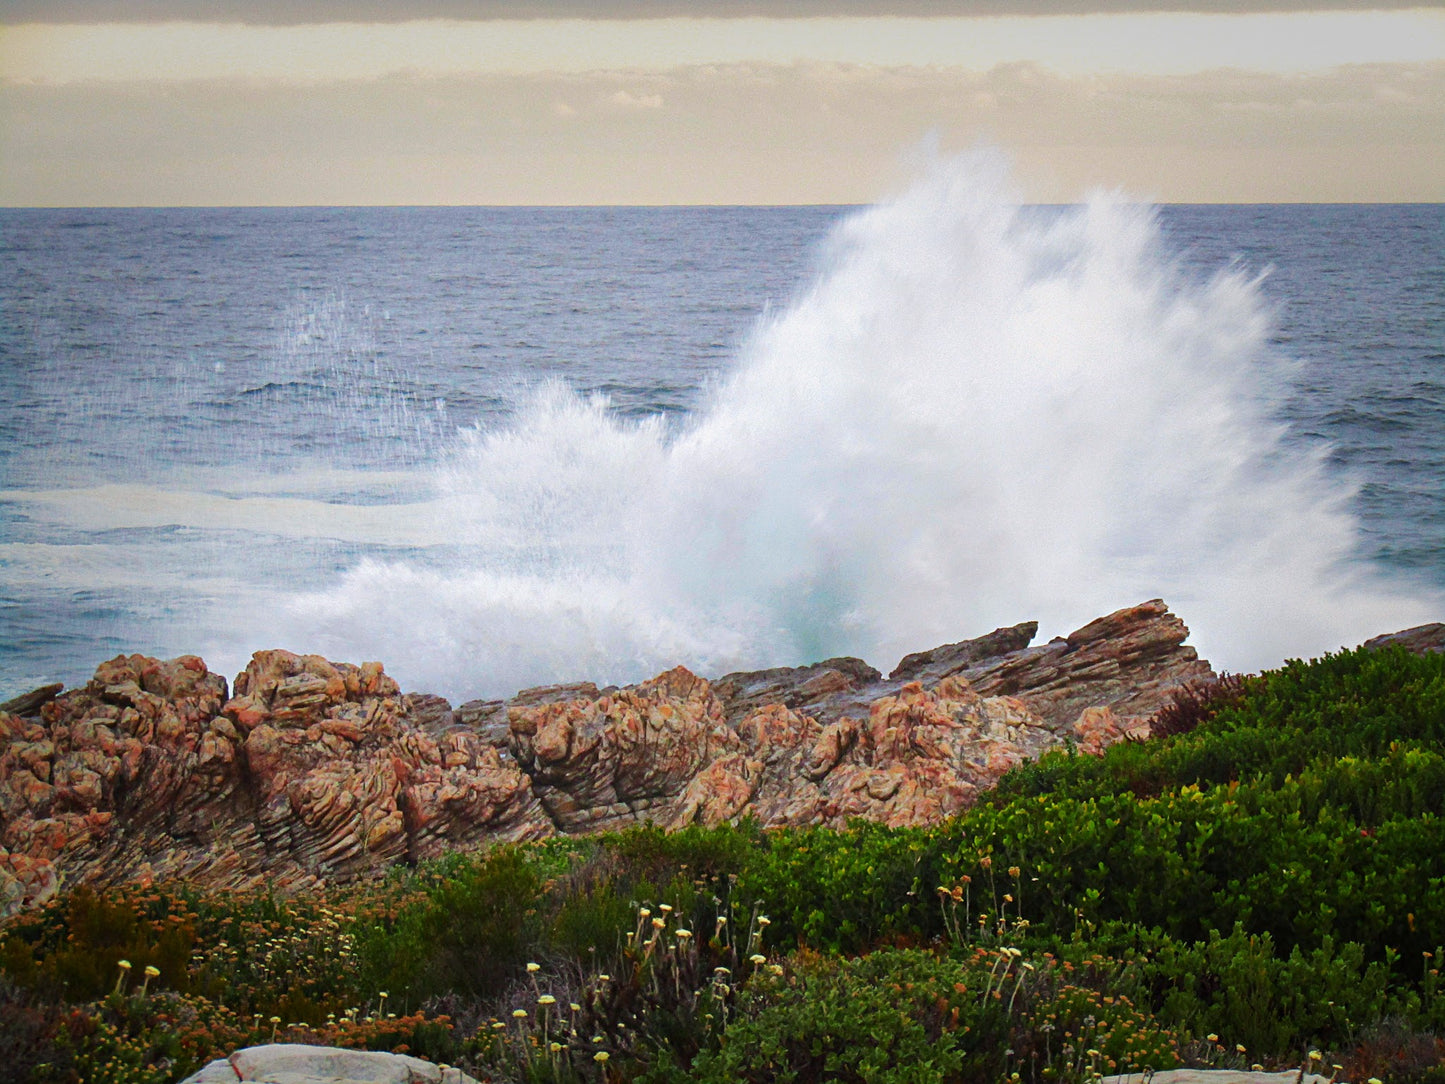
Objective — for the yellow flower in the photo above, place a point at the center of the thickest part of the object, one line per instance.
(1315, 1055)
(152, 971)
(683, 935)
(520, 1014)
(546, 999)
(758, 958)
(124, 965)
(1239, 1047)
(533, 968)
(604, 978)
(764, 920)
(600, 1056)
(1213, 1038)
(664, 907)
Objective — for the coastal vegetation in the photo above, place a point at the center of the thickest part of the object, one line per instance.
(1263, 885)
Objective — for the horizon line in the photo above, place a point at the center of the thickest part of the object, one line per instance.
(662, 206)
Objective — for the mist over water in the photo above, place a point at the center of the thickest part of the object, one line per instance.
(974, 414)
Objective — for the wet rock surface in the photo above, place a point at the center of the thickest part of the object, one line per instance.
(310, 770)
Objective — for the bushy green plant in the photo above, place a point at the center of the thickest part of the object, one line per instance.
(845, 890)
(72, 946)
(469, 934)
(891, 1017)
(1070, 924)
(1353, 704)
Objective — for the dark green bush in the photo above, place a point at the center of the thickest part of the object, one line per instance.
(848, 890)
(73, 946)
(1357, 703)
(469, 934)
(1070, 924)
(892, 1017)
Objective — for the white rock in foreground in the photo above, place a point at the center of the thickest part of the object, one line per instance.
(295, 1063)
(1216, 1076)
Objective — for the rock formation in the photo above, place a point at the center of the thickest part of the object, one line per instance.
(1420, 639)
(293, 1063)
(312, 770)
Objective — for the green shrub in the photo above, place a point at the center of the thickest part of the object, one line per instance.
(1069, 924)
(892, 1017)
(1354, 704)
(845, 890)
(73, 946)
(468, 935)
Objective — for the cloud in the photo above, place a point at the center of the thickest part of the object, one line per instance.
(751, 133)
(625, 100)
(1160, 44)
(297, 12)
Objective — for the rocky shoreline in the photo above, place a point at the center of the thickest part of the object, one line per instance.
(307, 771)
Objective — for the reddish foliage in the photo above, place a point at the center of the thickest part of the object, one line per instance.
(1194, 703)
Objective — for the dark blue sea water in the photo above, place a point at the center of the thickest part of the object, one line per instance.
(502, 446)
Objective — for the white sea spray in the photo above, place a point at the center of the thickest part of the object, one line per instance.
(976, 414)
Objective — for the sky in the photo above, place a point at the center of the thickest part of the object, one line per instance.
(168, 102)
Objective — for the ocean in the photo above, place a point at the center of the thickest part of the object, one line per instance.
(499, 447)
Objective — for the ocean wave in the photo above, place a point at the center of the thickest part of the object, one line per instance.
(976, 413)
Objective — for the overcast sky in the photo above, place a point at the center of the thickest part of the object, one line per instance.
(661, 101)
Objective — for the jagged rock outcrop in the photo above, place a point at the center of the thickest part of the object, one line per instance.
(599, 759)
(1421, 639)
(824, 743)
(314, 770)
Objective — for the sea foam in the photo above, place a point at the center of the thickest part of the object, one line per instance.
(976, 413)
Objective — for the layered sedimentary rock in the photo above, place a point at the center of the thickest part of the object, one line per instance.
(311, 770)
(824, 743)
(1421, 639)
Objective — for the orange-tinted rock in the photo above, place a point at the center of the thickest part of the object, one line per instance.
(317, 770)
(620, 756)
(308, 773)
